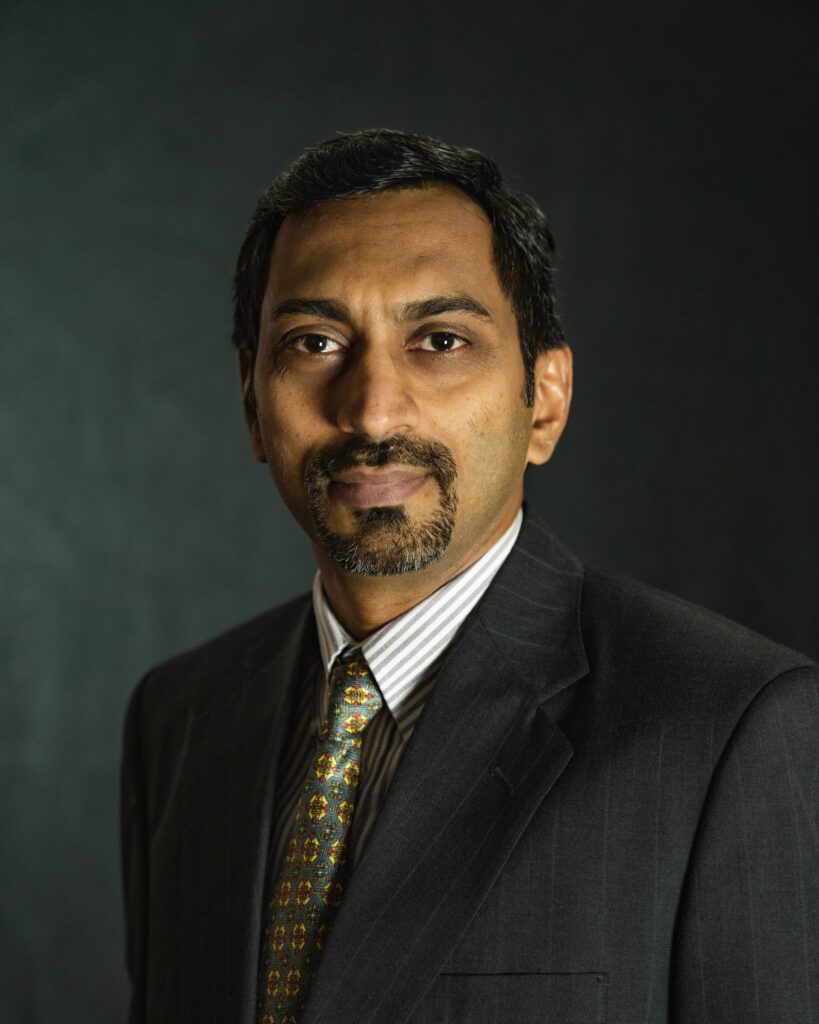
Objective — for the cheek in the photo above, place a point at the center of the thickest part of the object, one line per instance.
(285, 438)
(499, 429)
(490, 454)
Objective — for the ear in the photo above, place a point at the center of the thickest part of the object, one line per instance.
(553, 396)
(247, 360)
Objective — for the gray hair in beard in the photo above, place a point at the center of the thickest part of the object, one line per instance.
(385, 542)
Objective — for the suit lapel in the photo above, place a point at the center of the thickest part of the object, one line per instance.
(482, 758)
(223, 806)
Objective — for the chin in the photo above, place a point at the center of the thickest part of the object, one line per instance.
(387, 541)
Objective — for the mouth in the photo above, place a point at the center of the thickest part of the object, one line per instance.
(368, 488)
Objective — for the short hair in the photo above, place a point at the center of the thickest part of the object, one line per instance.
(367, 162)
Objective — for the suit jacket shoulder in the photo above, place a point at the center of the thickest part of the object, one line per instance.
(189, 681)
(646, 635)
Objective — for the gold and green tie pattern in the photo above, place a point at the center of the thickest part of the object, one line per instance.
(311, 885)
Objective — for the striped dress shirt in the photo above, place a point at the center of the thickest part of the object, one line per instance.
(404, 656)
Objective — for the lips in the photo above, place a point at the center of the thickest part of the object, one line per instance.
(363, 487)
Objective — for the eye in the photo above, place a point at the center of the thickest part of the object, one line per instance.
(315, 344)
(442, 341)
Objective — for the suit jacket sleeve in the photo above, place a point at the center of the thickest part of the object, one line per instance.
(134, 851)
(747, 938)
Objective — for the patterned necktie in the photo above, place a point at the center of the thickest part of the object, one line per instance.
(311, 884)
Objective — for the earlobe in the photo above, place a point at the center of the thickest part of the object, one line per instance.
(246, 364)
(553, 396)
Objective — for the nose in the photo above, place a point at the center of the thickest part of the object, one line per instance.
(372, 396)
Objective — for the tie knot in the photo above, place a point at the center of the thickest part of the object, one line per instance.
(354, 698)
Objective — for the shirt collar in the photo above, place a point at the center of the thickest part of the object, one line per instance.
(404, 651)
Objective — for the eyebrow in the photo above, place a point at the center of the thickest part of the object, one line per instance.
(327, 309)
(439, 305)
(420, 309)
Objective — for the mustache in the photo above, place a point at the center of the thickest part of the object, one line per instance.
(402, 450)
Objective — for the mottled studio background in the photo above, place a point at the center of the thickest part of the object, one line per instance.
(672, 148)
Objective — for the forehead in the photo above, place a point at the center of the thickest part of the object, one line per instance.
(427, 237)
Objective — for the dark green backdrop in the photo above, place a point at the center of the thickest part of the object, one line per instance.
(673, 151)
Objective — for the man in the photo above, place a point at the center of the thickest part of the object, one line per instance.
(466, 779)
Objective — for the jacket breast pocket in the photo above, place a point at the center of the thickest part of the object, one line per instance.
(515, 999)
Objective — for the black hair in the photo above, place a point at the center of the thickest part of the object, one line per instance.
(377, 160)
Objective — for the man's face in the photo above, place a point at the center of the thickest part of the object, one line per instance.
(389, 382)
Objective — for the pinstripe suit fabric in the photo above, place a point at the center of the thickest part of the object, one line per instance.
(607, 812)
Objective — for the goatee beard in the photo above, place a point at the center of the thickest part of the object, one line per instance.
(386, 542)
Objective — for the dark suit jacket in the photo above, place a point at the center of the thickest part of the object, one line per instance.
(607, 813)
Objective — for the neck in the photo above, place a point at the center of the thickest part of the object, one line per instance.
(363, 604)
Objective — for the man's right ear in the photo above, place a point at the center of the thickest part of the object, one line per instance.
(247, 360)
